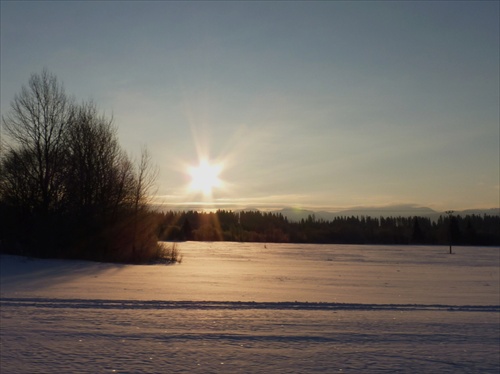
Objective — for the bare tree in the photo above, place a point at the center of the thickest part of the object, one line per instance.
(39, 117)
(144, 182)
(99, 176)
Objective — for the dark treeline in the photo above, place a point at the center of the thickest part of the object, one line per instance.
(255, 226)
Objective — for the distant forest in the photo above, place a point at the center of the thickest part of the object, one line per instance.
(256, 226)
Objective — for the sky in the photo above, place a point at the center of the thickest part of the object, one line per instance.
(315, 105)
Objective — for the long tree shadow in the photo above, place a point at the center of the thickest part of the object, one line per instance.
(19, 273)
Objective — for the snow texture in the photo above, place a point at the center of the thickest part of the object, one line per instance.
(256, 308)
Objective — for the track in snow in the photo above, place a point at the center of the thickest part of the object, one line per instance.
(235, 305)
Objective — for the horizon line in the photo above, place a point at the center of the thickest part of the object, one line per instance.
(214, 206)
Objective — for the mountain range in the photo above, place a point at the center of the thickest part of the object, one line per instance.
(294, 214)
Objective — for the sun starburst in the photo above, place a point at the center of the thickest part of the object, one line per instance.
(205, 177)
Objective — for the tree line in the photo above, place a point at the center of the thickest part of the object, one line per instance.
(256, 226)
(67, 188)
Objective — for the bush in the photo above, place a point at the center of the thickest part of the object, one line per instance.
(168, 254)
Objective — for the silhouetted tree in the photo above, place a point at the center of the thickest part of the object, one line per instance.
(186, 231)
(68, 185)
(99, 177)
(417, 236)
(37, 124)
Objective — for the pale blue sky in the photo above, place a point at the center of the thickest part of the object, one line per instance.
(308, 104)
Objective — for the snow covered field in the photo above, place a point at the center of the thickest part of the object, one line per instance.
(256, 308)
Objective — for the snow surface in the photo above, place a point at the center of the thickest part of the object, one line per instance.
(256, 308)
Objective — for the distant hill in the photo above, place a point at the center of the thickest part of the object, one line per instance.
(294, 214)
(491, 212)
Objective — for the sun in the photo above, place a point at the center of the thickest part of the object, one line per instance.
(205, 177)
